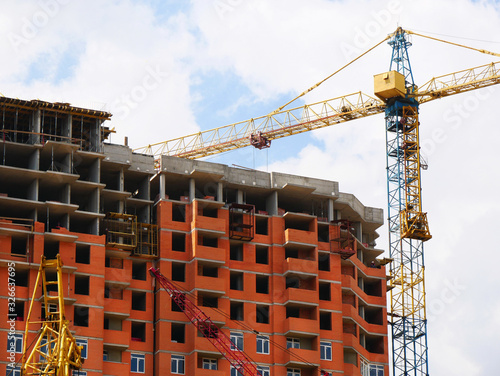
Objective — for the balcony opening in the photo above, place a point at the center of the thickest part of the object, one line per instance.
(373, 288)
(210, 212)
(177, 333)
(291, 253)
(179, 213)
(261, 225)
(138, 300)
(262, 284)
(374, 315)
(325, 320)
(178, 242)
(236, 311)
(262, 254)
(208, 271)
(178, 272)
(22, 277)
(111, 323)
(236, 251)
(208, 241)
(350, 357)
(82, 284)
(112, 355)
(324, 262)
(292, 311)
(208, 301)
(325, 291)
(374, 344)
(302, 224)
(138, 331)
(236, 281)
(292, 282)
(82, 254)
(262, 314)
(81, 316)
(139, 270)
(18, 246)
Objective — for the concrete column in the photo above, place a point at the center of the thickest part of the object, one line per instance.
(192, 189)
(95, 171)
(121, 188)
(272, 203)
(66, 194)
(33, 190)
(36, 126)
(163, 186)
(239, 196)
(34, 160)
(220, 191)
(331, 211)
(67, 130)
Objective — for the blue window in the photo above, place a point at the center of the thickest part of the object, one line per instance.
(262, 345)
(263, 371)
(15, 343)
(236, 372)
(137, 363)
(326, 350)
(84, 343)
(13, 371)
(237, 341)
(177, 364)
(293, 343)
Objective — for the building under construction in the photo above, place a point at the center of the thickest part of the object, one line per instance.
(285, 265)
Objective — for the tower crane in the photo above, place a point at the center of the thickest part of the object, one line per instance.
(55, 351)
(397, 96)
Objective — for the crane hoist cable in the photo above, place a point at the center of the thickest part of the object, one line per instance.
(453, 43)
(330, 76)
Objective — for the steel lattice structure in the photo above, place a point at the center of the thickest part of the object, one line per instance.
(408, 227)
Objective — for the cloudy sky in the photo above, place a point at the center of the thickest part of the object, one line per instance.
(168, 68)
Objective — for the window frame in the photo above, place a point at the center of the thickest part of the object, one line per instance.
(138, 357)
(16, 371)
(264, 370)
(234, 344)
(85, 343)
(178, 360)
(292, 372)
(264, 344)
(18, 341)
(235, 372)
(292, 343)
(211, 362)
(324, 347)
